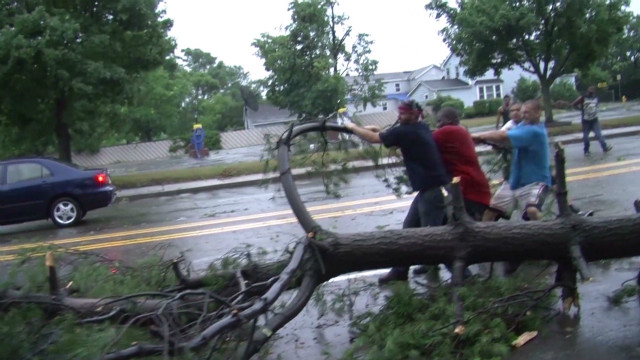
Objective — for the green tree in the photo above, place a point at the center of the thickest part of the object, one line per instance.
(308, 64)
(622, 59)
(67, 63)
(153, 104)
(216, 96)
(563, 91)
(547, 38)
(526, 89)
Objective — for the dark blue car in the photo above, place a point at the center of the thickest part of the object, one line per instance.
(40, 188)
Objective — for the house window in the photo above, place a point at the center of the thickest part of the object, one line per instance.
(448, 74)
(489, 92)
(481, 92)
(384, 106)
(457, 72)
(426, 96)
(397, 87)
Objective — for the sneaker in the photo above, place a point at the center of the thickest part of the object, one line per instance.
(392, 276)
(607, 148)
(587, 154)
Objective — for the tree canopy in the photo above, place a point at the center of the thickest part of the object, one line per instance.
(547, 38)
(66, 62)
(308, 64)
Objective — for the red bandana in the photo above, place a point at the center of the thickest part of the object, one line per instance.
(402, 109)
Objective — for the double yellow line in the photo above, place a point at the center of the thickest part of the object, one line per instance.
(603, 173)
(218, 230)
(287, 220)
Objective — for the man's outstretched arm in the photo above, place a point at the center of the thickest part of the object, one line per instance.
(366, 134)
(491, 136)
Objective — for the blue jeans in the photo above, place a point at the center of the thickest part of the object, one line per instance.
(587, 128)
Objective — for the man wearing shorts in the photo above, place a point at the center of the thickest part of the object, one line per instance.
(530, 176)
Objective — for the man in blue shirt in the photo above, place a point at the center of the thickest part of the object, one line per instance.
(530, 176)
(424, 166)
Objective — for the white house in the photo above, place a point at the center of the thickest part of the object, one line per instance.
(447, 79)
(397, 87)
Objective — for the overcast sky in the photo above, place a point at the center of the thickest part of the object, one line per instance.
(405, 36)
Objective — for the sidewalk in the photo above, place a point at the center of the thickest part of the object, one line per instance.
(256, 179)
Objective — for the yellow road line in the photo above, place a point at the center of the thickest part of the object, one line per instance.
(603, 173)
(601, 166)
(222, 229)
(196, 224)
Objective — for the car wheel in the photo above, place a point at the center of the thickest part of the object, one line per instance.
(65, 212)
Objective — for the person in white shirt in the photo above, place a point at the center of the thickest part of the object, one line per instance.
(514, 117)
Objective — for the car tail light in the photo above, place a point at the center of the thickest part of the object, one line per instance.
(102, 179)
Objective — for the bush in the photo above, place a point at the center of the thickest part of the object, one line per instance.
(481, 107)
(494, 104)
(456, 104)
(563, 91)
(436, 104)
(468, 112)
(526, 89)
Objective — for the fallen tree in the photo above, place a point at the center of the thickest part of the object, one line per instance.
(193, 315)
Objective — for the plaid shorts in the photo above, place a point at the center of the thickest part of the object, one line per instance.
(505, 199)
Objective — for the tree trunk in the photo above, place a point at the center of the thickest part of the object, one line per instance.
(62, 130)
(545, 88)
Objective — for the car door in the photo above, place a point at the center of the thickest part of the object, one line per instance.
(26, 191)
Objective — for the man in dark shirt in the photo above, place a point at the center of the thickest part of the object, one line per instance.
(424, 166)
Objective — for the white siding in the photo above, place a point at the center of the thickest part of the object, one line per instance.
(392, 105)
(390, 86)
(468, 96)
(433, 73)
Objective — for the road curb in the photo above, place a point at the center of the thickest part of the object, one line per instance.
(301, 174)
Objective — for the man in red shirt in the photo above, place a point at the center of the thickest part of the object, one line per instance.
(458, 153)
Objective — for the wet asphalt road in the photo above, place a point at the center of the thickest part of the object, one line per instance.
(208, 225)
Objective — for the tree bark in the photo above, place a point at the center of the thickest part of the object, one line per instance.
(545, 89)
(63, 135)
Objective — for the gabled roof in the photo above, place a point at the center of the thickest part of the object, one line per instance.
(268, 114)
(444, 63)
(418, 73)
(443, 84)
(489, 81)
(386, 77)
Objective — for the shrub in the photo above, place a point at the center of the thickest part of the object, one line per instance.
(456, 104)
(436, 104)
(526, 89)
(468, 112)
(481, 107)
(494, 104)
(563, 91)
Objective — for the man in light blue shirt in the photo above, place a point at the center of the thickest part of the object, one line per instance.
(530, 176)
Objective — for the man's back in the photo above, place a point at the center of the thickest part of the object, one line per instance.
(459, 156)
